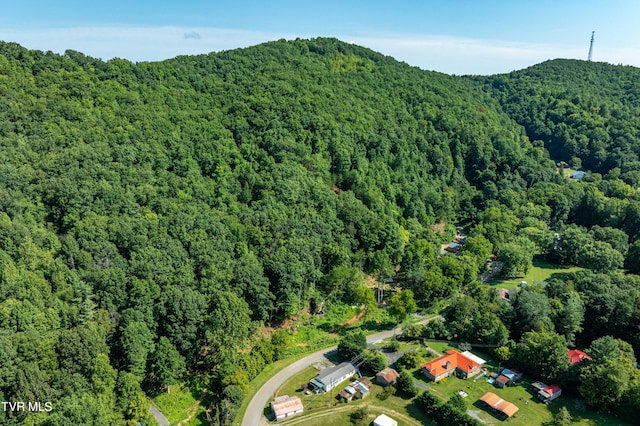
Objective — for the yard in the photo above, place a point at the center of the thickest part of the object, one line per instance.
(532, 412)
(324, 409)
(540, 271)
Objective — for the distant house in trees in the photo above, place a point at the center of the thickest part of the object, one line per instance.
(453, 247)
(505, 294)
(578, 175)
(576, 356)
(464, 365)
(331, 377)
(286, 406)
(387, 377)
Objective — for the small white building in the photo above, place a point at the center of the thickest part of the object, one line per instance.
(286, 406)
(384, 420)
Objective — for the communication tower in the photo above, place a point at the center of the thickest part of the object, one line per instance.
(591, 45)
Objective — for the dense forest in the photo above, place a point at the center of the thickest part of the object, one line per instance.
(154, 215)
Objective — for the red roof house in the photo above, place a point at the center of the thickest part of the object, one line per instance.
(550, 393)
(577, 356)
(452, 362)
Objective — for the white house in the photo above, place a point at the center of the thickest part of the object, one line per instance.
(331, 377)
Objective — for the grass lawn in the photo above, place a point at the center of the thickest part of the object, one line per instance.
(175, 405)
(326, 409)
(539, 272)
(532, 412)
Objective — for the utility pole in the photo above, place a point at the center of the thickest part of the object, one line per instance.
(591, 45)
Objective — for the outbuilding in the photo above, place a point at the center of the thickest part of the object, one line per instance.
(384, 420)
(286, 406)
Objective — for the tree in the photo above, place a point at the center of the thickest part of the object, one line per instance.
(351, 345)
(502, 354)
(409, 360)
(603, 384)
(404, 384)
(531, 310)
(457, 403)
(607, 348)
(542, 355)
(570, 318)
(402, 305)
(516, 259)
(481, 248)
(562, 417)
(181, 312)
(632, 261)
(167, 365)
(366, 297)
(374, 361)
(136, 343)
(103, 380)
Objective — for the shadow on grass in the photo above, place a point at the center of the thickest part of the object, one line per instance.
(416, 412)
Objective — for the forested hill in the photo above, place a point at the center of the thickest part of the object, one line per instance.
(585, 111)
(153, 215)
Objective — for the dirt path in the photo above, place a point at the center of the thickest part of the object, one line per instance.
(331, 411)
(191, 411)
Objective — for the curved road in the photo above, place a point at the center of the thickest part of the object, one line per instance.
(254, 413)
(160, 418)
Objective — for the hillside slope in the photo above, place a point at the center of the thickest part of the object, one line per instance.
(153, 215)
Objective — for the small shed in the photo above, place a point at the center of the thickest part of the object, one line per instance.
(387, 377)
(513, 375)
(286, 406)
(384, 420)
(501, 381)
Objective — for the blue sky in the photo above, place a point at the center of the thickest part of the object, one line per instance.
(454, 36)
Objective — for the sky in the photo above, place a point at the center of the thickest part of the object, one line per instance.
(451, 36)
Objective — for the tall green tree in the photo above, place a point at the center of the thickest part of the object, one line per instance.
(402, 304)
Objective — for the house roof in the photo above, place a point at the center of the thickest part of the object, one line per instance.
(361, 387)
(286, 404)
(499, 404)
(511, 374)
(450, 360)
(503, 379)
(384, 420)
(538, 386)
(474, 357)
(388, 374)
(328, 375)
(365, 381)
(577, 356)
(552, 389)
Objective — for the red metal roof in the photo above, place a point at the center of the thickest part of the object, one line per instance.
(450, 360)
(577, 356)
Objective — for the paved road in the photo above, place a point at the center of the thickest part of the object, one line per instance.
(254, 414)
(160, 418)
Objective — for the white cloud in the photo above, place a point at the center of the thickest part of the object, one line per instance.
(452, 55)
(136, 43)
